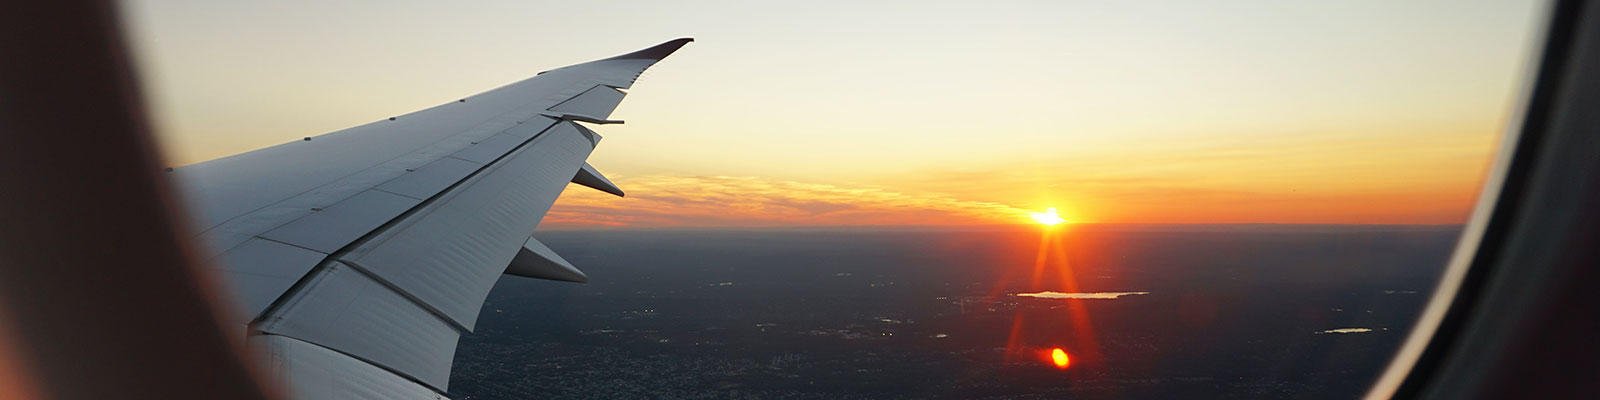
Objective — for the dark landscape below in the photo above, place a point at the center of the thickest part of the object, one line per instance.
(1231, 311)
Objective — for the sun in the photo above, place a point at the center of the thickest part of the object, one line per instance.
(1048, 217)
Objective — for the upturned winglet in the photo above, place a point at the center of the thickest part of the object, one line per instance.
(656, 52)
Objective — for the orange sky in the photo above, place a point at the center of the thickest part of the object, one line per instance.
(926, 113)
(1397, 179)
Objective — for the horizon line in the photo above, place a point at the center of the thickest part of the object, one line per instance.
(1260, 226)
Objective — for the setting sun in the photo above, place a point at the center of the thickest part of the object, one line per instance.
(1048, 217)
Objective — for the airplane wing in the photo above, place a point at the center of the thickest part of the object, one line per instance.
(357, 258)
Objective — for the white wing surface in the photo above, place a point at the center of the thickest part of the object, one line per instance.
(358, 257)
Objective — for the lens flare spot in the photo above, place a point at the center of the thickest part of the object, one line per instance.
(1059, 357)
(1048, 217)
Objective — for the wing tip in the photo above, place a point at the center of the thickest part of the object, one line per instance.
(656, 52)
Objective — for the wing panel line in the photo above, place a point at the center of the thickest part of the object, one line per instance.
(299, 286)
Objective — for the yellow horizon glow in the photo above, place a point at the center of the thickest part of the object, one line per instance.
(1357, 112)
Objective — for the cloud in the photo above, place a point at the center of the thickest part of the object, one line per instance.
(664, 200)
(1093, 295)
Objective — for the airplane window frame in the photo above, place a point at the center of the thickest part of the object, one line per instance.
(1518, 272)
(1516, 282)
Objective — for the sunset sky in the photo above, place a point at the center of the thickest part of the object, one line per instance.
(904, 113)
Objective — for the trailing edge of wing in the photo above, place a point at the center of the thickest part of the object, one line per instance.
(588, 176)
(536, 260)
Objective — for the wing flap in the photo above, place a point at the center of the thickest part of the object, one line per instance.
(449, 253)
(347, 311)
(315, 373)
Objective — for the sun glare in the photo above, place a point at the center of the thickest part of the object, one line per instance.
(1059, 357)
(1048, 217)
